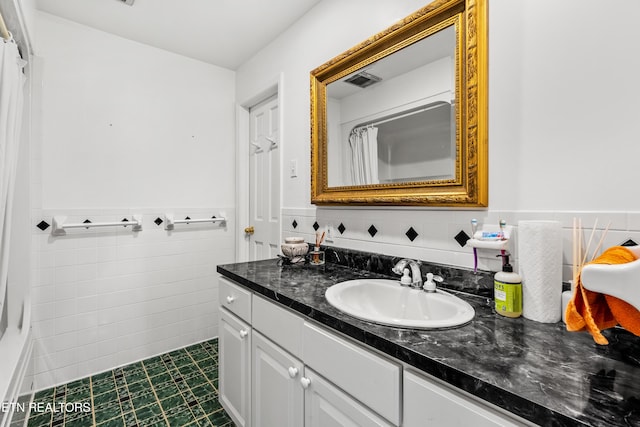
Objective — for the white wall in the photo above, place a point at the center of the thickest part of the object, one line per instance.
(126, 129)
(562, 122)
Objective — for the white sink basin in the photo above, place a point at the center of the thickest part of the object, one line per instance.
(387, 303)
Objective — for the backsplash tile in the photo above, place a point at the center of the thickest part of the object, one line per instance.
(437, 231)
(411, 234)
(462, 238)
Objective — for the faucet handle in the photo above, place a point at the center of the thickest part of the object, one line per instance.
(430, 285)
(406, 277)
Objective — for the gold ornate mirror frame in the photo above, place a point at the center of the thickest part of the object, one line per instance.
(469, 188)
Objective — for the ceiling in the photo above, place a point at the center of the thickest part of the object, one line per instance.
(221, 32)
(441, 44)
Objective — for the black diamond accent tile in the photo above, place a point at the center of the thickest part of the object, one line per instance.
(186, 217)
(411, 234)
(372, 230)
(158, 221)
(629, 243)
(125, 220)
(294, 224)
(316, 225)
(462, 238)
(43, 225)
(341, 228)
(213, 217)
(86, 221)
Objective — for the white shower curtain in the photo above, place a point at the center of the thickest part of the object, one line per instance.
(364, 155)
(11, 102)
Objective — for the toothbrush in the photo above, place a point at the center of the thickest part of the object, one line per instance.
(474, 227)
(502, 224)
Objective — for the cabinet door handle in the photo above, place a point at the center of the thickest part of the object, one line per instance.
(230, 299)
(243, 333)
(305, 382)
(293, 372)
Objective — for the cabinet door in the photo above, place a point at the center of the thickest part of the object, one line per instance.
(327, 406)
(235, 368)
(277, 396)
(427, 403)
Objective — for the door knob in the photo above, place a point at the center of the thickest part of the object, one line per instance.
(305, 382)
(249, 230)
(230, 299)
(243, 333)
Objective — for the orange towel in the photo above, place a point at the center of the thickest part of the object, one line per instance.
(593, 311)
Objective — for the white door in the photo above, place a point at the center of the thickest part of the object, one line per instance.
(264, 180)
(235, 377)
(277, 396)
(327, 406)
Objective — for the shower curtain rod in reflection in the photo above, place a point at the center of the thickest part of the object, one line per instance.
(399, 115)
(4, 32)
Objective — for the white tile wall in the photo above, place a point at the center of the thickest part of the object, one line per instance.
(437, 229)
(106, 297)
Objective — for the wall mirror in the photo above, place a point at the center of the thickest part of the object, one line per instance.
(401, 119)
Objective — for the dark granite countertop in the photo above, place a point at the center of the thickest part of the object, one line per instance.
(538, 371)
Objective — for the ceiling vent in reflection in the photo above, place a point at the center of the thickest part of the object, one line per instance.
(363, 79)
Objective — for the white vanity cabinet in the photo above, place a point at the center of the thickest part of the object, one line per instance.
(234, 341)
(234, 381)
(278, 369)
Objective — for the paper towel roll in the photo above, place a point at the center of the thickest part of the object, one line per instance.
(540, 265)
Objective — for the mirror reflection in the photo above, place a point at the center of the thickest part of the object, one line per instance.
(394, 121)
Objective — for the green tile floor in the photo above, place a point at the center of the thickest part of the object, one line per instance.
(179, 388)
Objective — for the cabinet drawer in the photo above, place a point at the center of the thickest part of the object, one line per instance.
(427, 403)
(235, 299)
(278, 324)
(327, 405)
(369, 378)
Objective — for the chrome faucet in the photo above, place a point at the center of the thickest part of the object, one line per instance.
(416, 274)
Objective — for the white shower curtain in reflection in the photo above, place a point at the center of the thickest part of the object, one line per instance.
(11, 102)
(364, 155)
